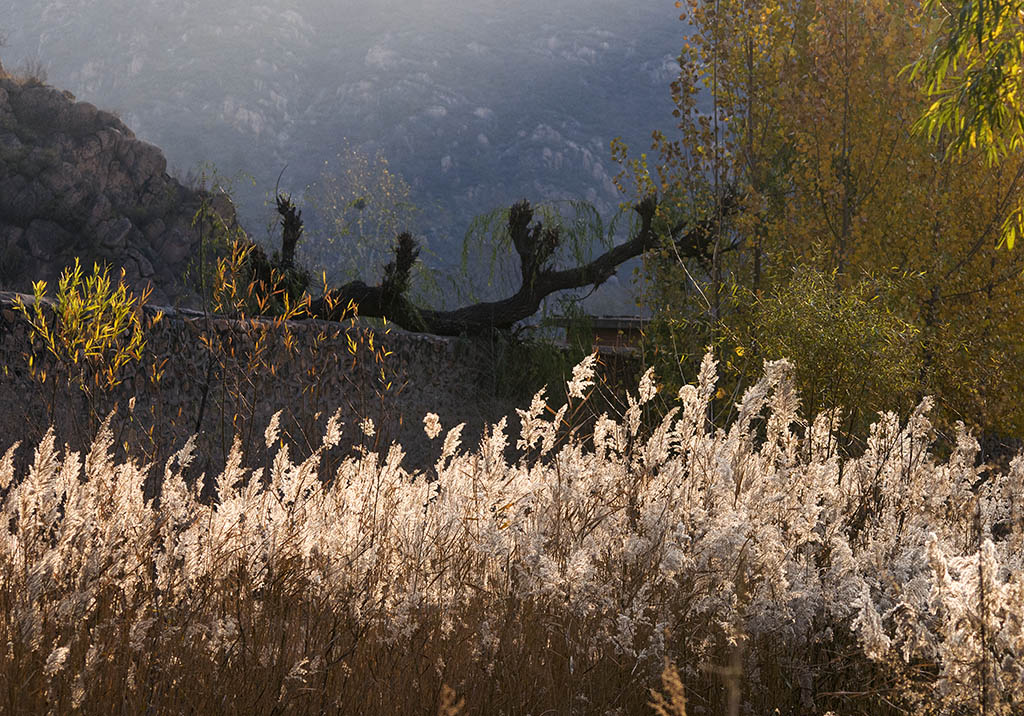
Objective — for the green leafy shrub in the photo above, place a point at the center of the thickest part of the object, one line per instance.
(853, 351)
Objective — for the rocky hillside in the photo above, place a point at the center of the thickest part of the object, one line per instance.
(476, 103)
(75, 181)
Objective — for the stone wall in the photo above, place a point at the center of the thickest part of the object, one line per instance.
(256, 367)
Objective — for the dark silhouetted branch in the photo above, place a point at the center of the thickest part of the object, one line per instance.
(291, 229)
(536, 245)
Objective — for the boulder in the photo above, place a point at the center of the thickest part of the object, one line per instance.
(46, 240)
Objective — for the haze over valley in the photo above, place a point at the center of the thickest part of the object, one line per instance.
(475, 104)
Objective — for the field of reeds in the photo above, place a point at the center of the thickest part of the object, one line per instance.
(634, 567)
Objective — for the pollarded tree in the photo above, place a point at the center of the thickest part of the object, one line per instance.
(360, 207)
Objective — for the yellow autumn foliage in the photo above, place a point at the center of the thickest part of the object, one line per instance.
(811, 124)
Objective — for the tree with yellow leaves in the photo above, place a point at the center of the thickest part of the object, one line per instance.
(811, 126)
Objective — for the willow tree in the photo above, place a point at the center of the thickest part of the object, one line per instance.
(973, 75)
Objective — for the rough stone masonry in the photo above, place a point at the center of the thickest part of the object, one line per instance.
(228, 377)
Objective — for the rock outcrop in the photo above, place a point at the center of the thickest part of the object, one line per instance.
(75, 181)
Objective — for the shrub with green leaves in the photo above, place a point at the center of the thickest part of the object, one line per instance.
(852, 349)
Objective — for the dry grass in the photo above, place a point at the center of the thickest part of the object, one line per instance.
(31, 73)
(772, 574)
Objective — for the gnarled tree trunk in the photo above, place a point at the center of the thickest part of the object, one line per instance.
(535, 244)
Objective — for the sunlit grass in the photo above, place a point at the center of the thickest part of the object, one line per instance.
(768, 571)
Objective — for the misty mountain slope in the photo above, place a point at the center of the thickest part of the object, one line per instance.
(476, 104)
